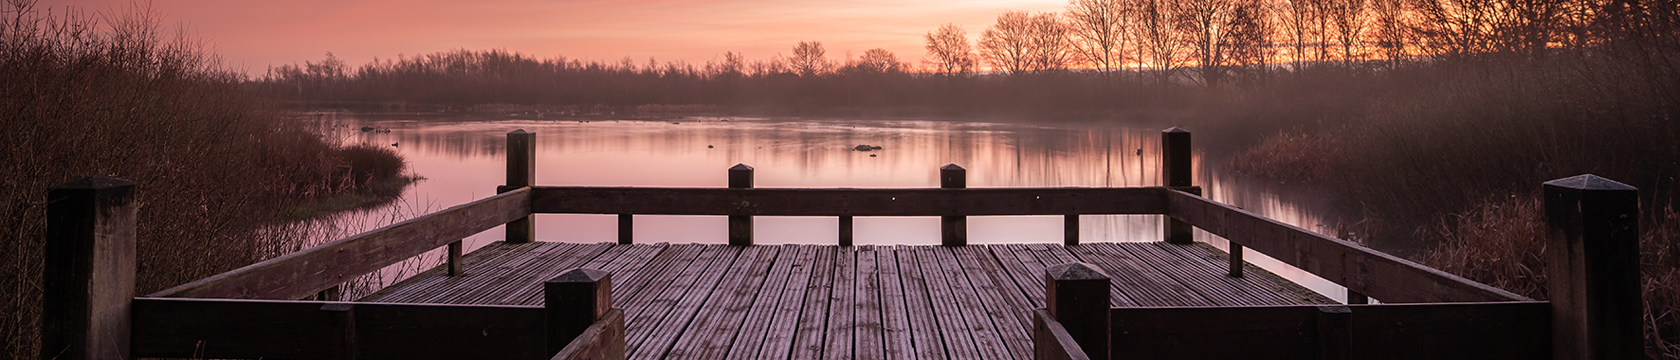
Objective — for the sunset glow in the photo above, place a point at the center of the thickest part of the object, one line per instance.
(254, 35)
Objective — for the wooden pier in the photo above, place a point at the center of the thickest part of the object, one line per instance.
(689, 301)
(522, 299)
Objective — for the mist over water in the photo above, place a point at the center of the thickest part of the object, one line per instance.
(463, 159)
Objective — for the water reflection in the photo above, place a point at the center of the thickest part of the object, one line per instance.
(463, 160)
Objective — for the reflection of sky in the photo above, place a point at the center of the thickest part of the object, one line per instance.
(257, 34)
(465, 160)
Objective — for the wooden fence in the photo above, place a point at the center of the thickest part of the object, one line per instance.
(91, 247)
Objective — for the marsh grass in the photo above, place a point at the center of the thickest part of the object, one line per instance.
(118, 95)
(1451, 155)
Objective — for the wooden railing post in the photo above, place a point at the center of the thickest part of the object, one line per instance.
(1175, 172)
(521, 172)
(88, 282)
(953, 230)
(626, 229)
(846, 230)
(741, 226)
(1076, 294)
(573, 301)
(1236, 268)
(1593, 268)
(1070, 229)
(455, 259)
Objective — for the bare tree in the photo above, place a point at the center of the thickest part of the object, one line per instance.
(1006, 44)
(1249, 39)
(1098, 29)
(878, 61)
(950, 50)
(808, 59)
(1349, 19)
(1206, 24)
(1158, 37)
(1050, 49)
(1390, 32)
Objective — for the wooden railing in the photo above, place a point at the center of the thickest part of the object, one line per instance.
(77, 234)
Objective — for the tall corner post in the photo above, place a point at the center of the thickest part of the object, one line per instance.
(1593, 268)
(572, 302)
(953, 229)
(1176, 173)
(741, 226)
(88, 286)
(521, 172)
(1076, 294)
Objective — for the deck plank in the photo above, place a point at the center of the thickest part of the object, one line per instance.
(866, 313)
(925, 332)
(943, 296)
(677, 321)
(808, 335)
(770, 302)
(685, 301)
(842, 321)
(897, 343)
(719, 319)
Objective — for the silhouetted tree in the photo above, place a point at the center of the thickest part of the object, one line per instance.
(808, 59)
(1021, 43)
(1098, 31)
(950, 50)
(1158, 37)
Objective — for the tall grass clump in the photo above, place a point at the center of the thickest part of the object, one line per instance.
(118, 95)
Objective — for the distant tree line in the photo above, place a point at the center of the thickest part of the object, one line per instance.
(1098, 55)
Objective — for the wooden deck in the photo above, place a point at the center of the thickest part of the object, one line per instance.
(812, 301)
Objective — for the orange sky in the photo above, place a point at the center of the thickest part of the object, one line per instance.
(253, 35)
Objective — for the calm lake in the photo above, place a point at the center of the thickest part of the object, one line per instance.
(462, 158)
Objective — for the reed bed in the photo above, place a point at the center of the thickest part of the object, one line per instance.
(118, 95)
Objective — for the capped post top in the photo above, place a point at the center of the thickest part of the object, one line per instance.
(521, 132)
(949, 167)
(1175, 129)
(581, 275)
(96, 182)
(740, 167)
(1075, 271)
(1589, 182)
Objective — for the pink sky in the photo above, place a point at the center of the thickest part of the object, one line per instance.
(253, 35)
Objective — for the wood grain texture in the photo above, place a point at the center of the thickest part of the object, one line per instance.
(1051, 341)
(303, 273)
(250, 329)
(854, 202)
(1382, 276)
(602, 341)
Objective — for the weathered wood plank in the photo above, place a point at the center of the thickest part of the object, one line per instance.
(988, 327)
(813, 317)
(402, 291)
(1027, 276)
(603, 340)
(682, 315)
(1130, 277)
(1501, 330)
(804, 279)
(1379, 275)
(842, 321)
(225, 328)
(925, 330)
(999, 297)
(768, 304)
(854, 202)
(868, 329)
(702, 278)
(897, 343)
(306, 272)
(1051, 341)
(715, 327)
(947, 311)
(1216, 287)
(1256, 282)
(1272, 332)
(663, 292)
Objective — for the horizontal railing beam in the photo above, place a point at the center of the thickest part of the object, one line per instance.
(848, 202)
(259, 329)
(306, 272)
(1487, 330)
(1379, 275)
